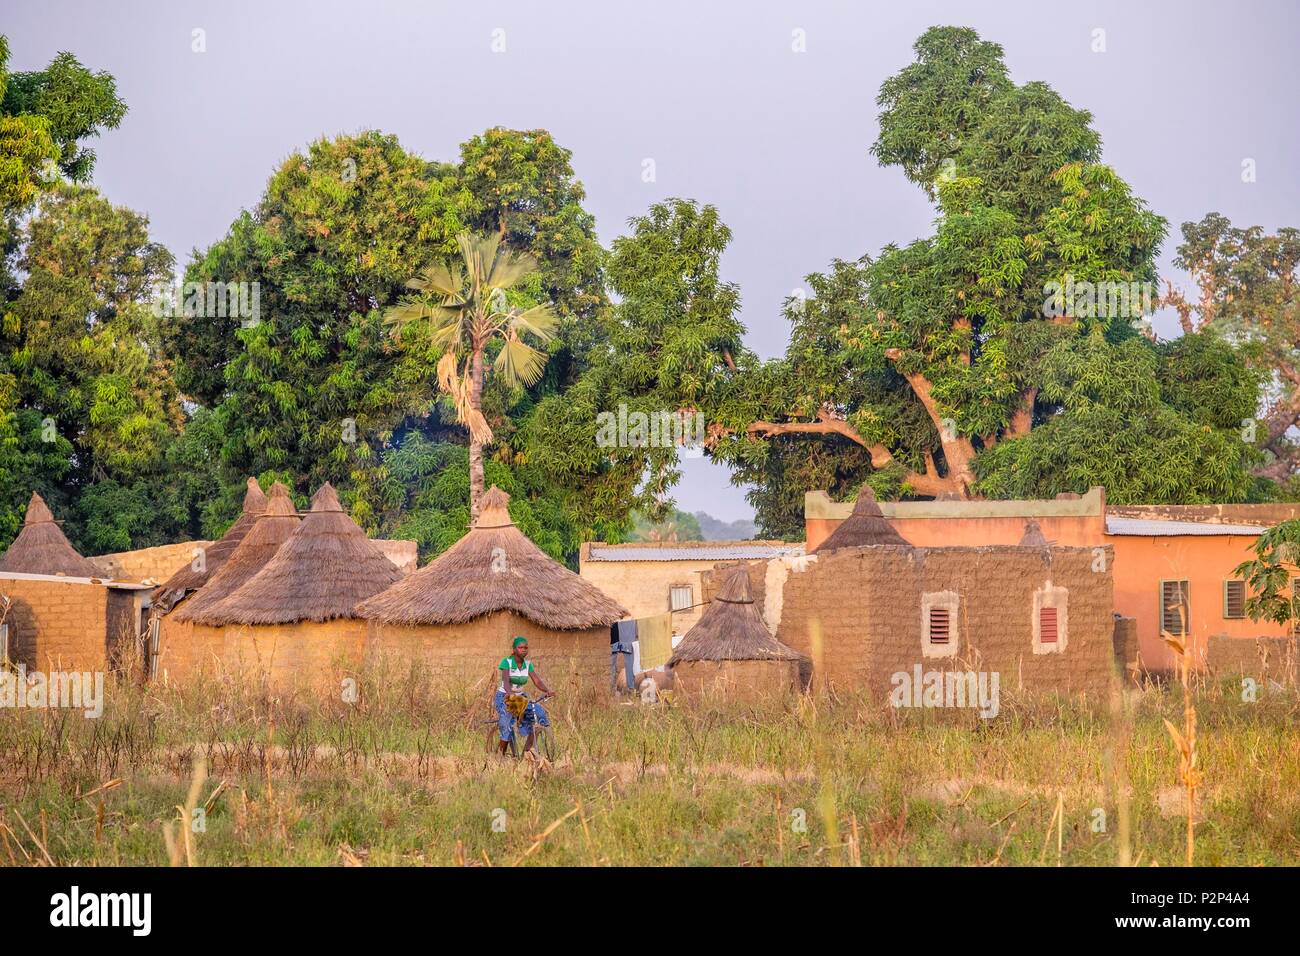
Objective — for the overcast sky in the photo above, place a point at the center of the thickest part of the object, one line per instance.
(714, 93)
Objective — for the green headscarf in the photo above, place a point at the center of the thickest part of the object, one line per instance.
(517, 642)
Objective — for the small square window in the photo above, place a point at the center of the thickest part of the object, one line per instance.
(1047, 622)
(939, 624)
(680, 597)
(1051, 619)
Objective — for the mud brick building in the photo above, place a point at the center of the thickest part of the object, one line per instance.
(651, 577)
(1172, 564)
(1040, 616)
(730, 652)
(63, 623)
(292, 623)
(64, 614)
(456, 616)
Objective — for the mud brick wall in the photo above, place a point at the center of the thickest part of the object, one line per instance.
(157, 564)
(711, 581)
(1264, 657)
(643, 587)
(1266, 514)
(868, 602)
(742, 680)
(185, 649)
(471, 652)
(1127, 651)
(307, 654)
(404, 554)
(57, 625)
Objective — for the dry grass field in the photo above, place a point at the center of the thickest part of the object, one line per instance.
(402, 777)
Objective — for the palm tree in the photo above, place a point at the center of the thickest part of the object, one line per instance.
(464, 303)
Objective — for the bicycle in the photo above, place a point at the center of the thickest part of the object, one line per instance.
(543, 737)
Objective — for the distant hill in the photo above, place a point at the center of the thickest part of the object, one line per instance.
(700, 526)
(714, 530)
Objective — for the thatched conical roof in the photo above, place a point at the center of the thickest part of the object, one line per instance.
(731, 629)
(865, 526)
(322, 572)
(42, 548)
(187, 579)
(494, 567)
(271, 529)
(1033, 536)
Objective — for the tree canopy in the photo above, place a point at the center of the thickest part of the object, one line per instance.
(999, 356)
(1005, 354)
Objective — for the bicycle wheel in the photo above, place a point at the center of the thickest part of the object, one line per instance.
(544, 743)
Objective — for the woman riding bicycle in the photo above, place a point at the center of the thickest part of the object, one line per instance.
(516, 670)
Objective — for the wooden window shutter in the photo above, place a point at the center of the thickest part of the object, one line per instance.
(1175, 608)
(1234, 599)
(1047, 628)
(940, 629)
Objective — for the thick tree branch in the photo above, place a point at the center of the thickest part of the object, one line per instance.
(1280, 468)
(826, 424)
(957, 449)
(1174, 297)
(1022, 419)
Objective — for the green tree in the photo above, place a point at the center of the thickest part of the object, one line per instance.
(930, 369)
(465, 307)
(1271, 574)
(677, 526)
(1248, 293)
(45, 118)
(80, 351)
(670, 346)
(430, 486)
(310, 386)
(331, 244)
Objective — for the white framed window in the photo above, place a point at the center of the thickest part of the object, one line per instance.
(1051, 622)
(940, 635)
(680, 597)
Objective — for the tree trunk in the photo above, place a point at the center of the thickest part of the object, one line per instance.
(476, 480)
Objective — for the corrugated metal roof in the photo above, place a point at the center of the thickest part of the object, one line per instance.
(1155, 528)
(722, 552)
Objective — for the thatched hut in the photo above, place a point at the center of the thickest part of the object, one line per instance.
(867, 525)
(458, 613)
(190, 638)
(294, 620)
(731, 650)
(196, 574)
(1033, 536)
(42, 548)
(64, 612)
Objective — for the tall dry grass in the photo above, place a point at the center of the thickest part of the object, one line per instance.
(401, 777)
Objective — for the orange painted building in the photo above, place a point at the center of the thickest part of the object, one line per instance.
(1175, 560)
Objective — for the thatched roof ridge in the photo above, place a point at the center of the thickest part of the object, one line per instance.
(216, 554)
(325, 568)
(42, 548)
(1033, 536)
(270, 530)
(494, 567)
(867, 525)
(731, 629)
